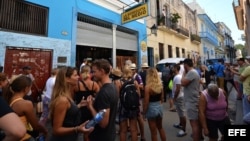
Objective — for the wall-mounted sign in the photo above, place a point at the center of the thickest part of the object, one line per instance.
(143, 46)
(135, 13)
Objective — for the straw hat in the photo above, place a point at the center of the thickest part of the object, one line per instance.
(238, 54)
(133, 66)
(145, 65)
(117, 72)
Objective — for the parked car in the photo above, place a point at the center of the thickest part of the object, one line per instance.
(170, 61)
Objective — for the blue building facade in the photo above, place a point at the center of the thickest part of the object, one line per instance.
(79, 25)
(209, 37)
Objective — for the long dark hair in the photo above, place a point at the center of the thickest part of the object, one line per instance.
(17, 85)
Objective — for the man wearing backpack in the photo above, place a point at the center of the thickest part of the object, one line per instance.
(129, 105)
(140, 120)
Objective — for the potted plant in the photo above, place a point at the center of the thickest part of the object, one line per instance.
(174, 19)
(161, 21)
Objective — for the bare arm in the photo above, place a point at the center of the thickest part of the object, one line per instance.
(202, 115)
(12, 126)
(177, 91)
(137, 88)
(242, 78)
(146, 100)
(184, 81)
(32, 119)
(59, 113)
(105, 121)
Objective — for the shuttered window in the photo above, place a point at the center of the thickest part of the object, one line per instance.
(21, 16)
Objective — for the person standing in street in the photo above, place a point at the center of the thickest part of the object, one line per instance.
(213, 114)
(3, 82)
(179, 101)
(47, 96)
(65, 114)
(191, 83)
(106, 98)
(27, 72)
(152, 104)
(219, 72)
(245, 78)
(140, 120)
(12, 128)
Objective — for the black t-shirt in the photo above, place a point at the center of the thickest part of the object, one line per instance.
(4, 107)
(106, 98)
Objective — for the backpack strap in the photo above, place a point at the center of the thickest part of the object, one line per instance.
(85, 86)
(93, 86)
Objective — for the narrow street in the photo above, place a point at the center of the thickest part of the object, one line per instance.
(171, 117)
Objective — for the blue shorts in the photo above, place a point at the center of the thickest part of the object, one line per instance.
(154, 110)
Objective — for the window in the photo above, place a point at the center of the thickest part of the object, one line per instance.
(183, 53)
(161, 51)
(177, 52)
(21, 16)
(170, 55)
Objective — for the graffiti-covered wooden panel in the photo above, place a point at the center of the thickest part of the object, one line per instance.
(38, 59)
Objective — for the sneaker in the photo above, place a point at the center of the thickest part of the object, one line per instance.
(181, 133)
(178, 126)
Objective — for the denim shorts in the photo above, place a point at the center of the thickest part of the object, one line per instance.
(154, 110)
(246, 109)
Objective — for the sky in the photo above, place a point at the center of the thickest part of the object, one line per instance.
(222, 11)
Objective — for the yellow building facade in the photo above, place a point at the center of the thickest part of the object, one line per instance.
(173, 39)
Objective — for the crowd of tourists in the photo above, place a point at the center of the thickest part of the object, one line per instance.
(130, 96)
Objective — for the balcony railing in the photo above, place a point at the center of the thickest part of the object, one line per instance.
(182, 30)
(209, 37)
(195, 37)
(173, 26)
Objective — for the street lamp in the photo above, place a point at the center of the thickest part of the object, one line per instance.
(154, 30)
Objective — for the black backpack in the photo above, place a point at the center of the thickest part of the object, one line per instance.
(129, 97)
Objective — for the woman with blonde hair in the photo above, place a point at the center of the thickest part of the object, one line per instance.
(65, 114)
(13, 94)
(128, 115)
(85, 88)
(152, 104)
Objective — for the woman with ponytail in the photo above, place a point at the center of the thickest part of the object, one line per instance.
(14, 94)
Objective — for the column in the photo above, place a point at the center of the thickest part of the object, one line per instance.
(114, 46)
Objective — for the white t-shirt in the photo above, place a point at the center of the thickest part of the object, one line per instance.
(177, 80)
(49, 86)
(182, 69)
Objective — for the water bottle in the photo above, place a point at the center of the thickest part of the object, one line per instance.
(40, 138)
(98, 118)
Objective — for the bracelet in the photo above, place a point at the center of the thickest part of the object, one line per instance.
(76, 129)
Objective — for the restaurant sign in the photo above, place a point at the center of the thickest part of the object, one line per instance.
(135, 13)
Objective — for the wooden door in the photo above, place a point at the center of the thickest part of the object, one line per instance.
(39, 60)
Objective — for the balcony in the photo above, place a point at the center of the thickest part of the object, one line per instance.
(238, 11)
(195, 39)
(167, 26)
(209, 38)
(182, 32)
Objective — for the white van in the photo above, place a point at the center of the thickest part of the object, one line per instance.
(170, 61)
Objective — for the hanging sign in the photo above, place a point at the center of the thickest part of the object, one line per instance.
(135, 13)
